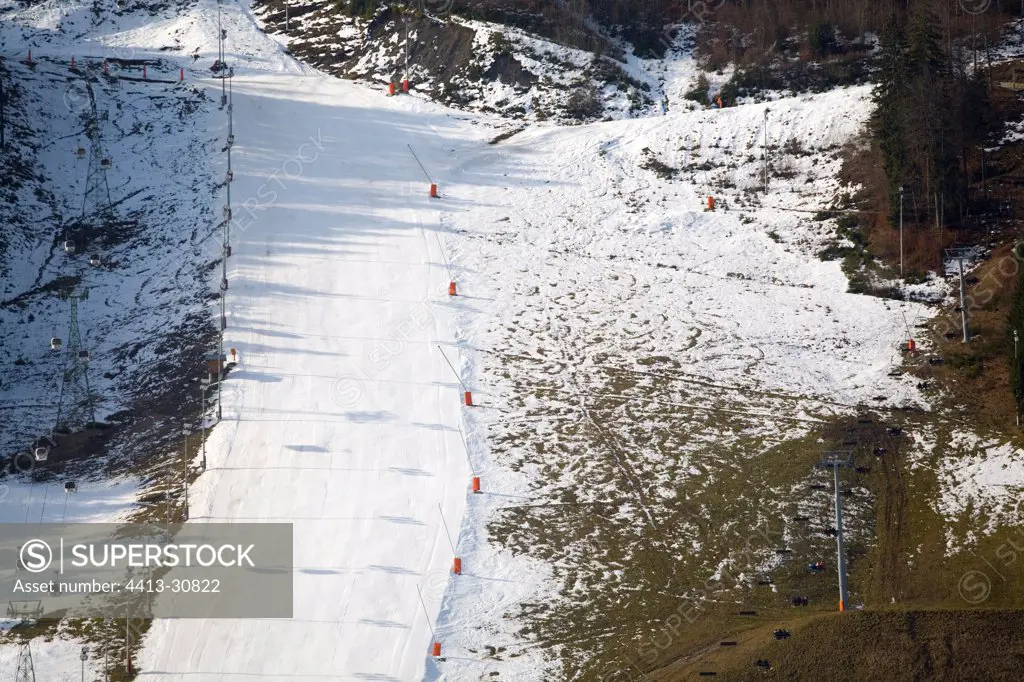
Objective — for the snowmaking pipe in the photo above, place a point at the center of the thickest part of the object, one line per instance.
(444, 257)
(425, 612)
(457, 377)
(446, 531)
(466, 446)
(429, 179)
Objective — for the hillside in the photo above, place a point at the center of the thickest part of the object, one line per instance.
(629, 324)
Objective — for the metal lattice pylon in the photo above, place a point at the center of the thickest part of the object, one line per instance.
(75, 408)
(96, 204)
(25, 671)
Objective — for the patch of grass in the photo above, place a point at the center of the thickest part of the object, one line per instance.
(870, 646)
(850, 245)
(975, 379)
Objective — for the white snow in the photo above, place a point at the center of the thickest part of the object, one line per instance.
(985, 483)
(53, 660)
(342, 415)
(102, 501)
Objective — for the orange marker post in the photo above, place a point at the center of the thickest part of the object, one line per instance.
(451, 288)
(437, 649)
(476, 484)
(433, 191)
(469, 399)
(457, 566)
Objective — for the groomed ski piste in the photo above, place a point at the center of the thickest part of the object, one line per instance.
(343, 415)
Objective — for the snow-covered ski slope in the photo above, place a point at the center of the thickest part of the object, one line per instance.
(343, 418)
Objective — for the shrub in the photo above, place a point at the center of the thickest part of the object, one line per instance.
(822, 39)
(583, 103)
(699, 92)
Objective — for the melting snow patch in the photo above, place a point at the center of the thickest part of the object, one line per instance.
(986, 484)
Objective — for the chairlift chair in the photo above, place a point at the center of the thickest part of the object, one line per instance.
(83, 356)
(42, 453)
(229, 176)
(56, 343)
(105, 163)
(95, 260)
(70, 487)
(69, 246)
(80, 152)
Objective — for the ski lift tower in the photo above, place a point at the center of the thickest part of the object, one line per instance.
(960, 255)
(836, 460)
(220, 65)
(25, 672)
(96, 201)
(75, 408)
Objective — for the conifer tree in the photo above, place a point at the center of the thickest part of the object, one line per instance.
(1017, 325)
(888, 95)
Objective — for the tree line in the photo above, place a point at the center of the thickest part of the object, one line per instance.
(932, 115)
